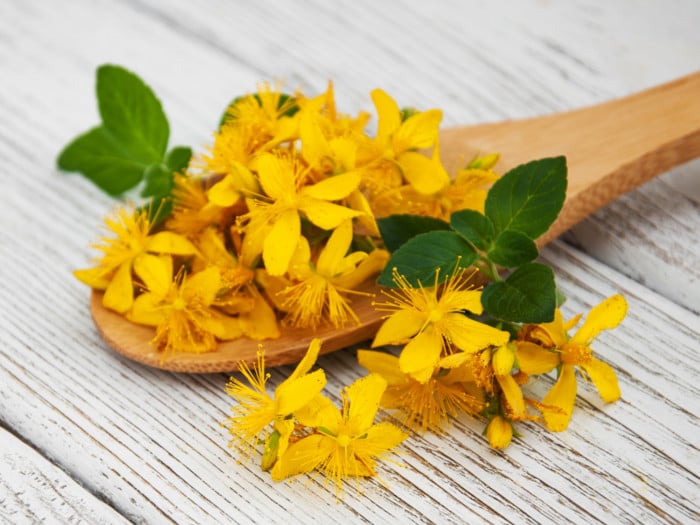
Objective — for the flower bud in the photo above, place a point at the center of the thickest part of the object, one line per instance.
(503, 360)
(499, 432)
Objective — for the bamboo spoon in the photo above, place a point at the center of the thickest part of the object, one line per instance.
(610, 148)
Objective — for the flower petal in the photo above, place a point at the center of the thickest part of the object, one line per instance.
(203, 285)
(307, 361)
(535, 360)
(119, 295)
(386, 365)
(399, 328)
(93, 277)
(419, 131)
(604, 378)
(513, 394)
(499, 432)
(421, 355)
(290, 396)
(336, 247)
(605, 316)
(562, 397)
(379, 439)
(454, 301)
(325, 214)
(276, 176)
(470, 336)
(425, 176)
(389, 115)
(169, 242)
(147, 309)
(303, 456)
(364, 396)
(333, 188)
(281, 242)
(156, 272)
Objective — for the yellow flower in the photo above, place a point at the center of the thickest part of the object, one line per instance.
(256, 409)
(133, 241)
(238, 294)
(425, 406)
(277, 225)
(192, 211)
(346, 444)
(321, 289)
(398, 141)
(180, 309)
(576, 352)
(432, 319)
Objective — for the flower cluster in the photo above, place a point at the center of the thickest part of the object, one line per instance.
(301, 430)
(275, 224)
(451, 363)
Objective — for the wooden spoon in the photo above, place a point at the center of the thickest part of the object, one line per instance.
(610, 148)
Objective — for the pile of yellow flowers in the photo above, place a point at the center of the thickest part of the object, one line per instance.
(275, 226)
(276, 222)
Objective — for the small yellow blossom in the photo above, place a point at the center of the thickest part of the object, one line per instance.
(431, 319)
(428, 405)
(180, 309)
(575, 352)
(277, 224)
(321, 290)
(346, 444)
(257, 410)
(134, 240)
(192, 211)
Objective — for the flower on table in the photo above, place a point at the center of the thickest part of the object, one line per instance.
(425, 406)
(257, 410)
(344, 444)
(180, 307)
(134, 241)
(575, 352)
(431, 320)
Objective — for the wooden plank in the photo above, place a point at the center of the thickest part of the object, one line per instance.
(149, 442)
(34, 490)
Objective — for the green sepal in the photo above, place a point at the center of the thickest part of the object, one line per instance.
(178, 158)
(474, 227)
(396, 230)
(512, 249)
(528, 198)
(526, 296)
(419, 258)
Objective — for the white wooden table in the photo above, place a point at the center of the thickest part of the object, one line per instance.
(86, 436)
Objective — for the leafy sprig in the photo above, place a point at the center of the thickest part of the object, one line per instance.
(519, 207)
(130, 145)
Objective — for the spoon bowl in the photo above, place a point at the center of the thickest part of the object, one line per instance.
(611, 148)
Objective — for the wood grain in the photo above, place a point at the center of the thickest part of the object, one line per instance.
(149, 442)
(33, 490)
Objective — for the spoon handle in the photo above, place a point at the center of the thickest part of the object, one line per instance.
(611, 148)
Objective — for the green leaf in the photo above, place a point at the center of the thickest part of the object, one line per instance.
(526, 296)
(132, 114)
(421, 256)
(397, 229)
(528, 198)
(178, 158)
(511, 249)
(474, 227)
(103, 160)
(159, 181)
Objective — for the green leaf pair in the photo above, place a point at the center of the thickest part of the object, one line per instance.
(131, 143)
(519, 207)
